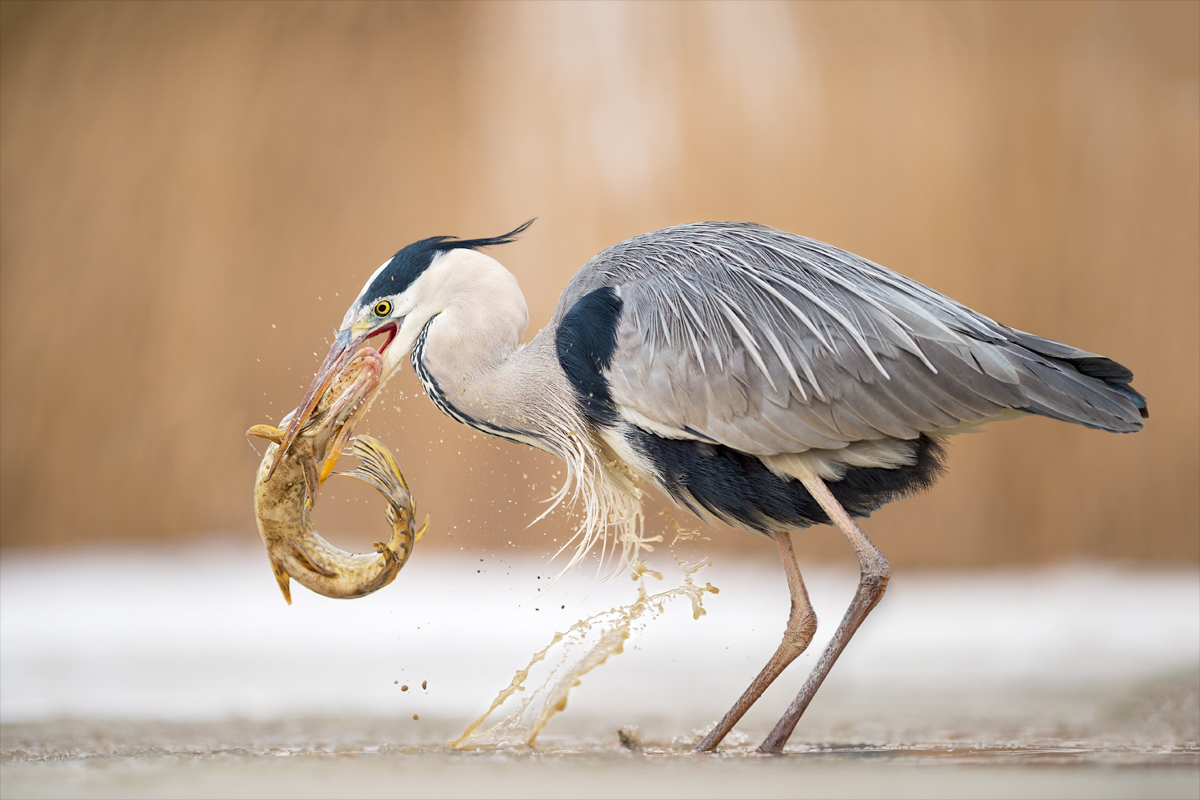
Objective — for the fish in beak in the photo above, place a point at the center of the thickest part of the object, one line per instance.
(354, 389)
(344, 347)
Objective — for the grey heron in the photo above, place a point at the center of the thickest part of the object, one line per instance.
(756, 376)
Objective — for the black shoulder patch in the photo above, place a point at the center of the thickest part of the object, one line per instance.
(585, 341)
(408, 264)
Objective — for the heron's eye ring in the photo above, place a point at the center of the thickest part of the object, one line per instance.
(382, 308)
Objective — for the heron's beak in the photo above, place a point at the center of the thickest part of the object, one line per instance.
(352, 404)
(345, 345)
(339, 354)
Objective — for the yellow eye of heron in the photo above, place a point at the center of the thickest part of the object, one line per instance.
(382, 308)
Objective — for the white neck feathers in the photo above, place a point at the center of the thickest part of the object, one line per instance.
(481, 313)
(474, 368)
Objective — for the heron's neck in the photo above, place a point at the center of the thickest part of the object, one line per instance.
(473, 367)
(470, 360)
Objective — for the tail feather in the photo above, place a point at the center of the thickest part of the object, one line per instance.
(1077, 386)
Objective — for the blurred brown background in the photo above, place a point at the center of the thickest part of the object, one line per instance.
(190, 193)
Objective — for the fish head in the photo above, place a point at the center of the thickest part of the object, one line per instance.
(339, 409)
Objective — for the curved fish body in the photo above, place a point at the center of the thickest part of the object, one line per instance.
(283, 500)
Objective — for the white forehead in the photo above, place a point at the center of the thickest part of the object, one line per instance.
(352, 311)
(370, 280)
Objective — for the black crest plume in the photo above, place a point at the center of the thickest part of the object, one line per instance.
(408, 264)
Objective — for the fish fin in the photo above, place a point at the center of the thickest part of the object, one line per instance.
(312, 484)
(329, 463)
(369, 480)
(308, 563)
(389, 555)
(379, 469)
(377, 453)
(281, 575)
(268, 432)
(421, 532)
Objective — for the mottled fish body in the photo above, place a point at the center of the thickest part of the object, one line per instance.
(283, 500)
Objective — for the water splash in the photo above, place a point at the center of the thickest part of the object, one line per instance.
(584, 646)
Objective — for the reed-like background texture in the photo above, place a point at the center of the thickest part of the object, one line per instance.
(191, 192)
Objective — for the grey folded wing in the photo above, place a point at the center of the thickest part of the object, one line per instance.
(770, 343)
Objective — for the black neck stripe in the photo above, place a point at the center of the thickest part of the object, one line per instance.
(439, 399)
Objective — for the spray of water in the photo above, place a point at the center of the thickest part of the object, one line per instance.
(584, 646)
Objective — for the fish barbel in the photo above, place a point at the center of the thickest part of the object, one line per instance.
(284, 500)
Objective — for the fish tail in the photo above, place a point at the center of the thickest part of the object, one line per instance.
(378, 468)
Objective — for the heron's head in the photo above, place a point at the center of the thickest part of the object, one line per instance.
(390, 313)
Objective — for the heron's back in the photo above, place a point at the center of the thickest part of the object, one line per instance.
(802, 324)
(726, 356)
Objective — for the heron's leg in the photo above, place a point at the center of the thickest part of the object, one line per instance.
(801, 625)
(874, 574)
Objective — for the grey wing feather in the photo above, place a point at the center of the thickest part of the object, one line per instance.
(770, 343)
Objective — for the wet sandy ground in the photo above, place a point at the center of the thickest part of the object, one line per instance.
(189, 678)
(833, 758)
